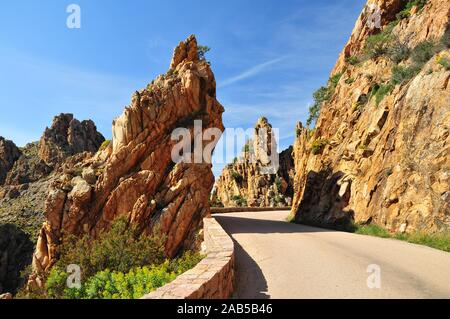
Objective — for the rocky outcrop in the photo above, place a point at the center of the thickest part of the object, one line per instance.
(380, 149)
(28, 168)
(9, 153)
(244, 183)
(135, 176)
(23, 191)
(66, 137)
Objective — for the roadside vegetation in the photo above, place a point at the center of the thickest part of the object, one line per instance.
(214, 200)
(239, 200)
(439, 241)
(121, 263)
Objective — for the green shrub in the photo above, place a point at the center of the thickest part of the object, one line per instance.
(135, 283)
(248, 147)
(321, 96)
(278, 199)
(202, 50)
(423, 52)
(362, 147)
(378, 44)
(382, 91)
(334, 80)
(171, 72)
(353, 60)
(363, 99)
(55, 284)
(278, 183)
(401, 74)
(216, 203)
(187, 261)
(104, 145)
(239, 200)
(119, 249)
(406, 12)
(445, 62)
(349, 81)
(318, 145)
(311, 133)
(439, 241)
(132, 285)
(372, 230)
(398, 52)
(214, 200)
(237, 177)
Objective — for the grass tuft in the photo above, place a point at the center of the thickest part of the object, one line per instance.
(439, 241)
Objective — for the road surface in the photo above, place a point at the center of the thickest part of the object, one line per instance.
(276, 259)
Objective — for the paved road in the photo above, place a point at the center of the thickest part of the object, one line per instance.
(277, 259)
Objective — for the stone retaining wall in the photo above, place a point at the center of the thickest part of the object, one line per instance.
(213, 277)
(221, 210)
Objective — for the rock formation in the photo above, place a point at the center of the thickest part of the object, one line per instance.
(24, 186)
(66, 137)
(28, 168)
(243, 183)
(9, 153)
(135, 176)
(380, 149)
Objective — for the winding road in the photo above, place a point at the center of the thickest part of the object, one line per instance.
(277, 259)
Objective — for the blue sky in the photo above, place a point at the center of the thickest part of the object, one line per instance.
(268, 57)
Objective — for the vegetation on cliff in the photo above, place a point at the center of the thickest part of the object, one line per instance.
(383, 115)
(120, 263)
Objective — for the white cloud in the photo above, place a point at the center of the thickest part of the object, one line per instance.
(250, 72)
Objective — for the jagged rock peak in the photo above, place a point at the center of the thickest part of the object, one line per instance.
(66, 137)
(245, 183)
(186, 51)
(135, 176)
(263, 122)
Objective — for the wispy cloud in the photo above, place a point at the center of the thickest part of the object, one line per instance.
(250, 72)
(53, 88)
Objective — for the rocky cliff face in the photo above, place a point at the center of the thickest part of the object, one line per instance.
(9, 153)
(66, 137)
(23, 190)
(135, 176)
(380, 150)
(243, 183)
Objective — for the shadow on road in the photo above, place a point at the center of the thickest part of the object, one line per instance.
(250, 282)
(240, 225)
